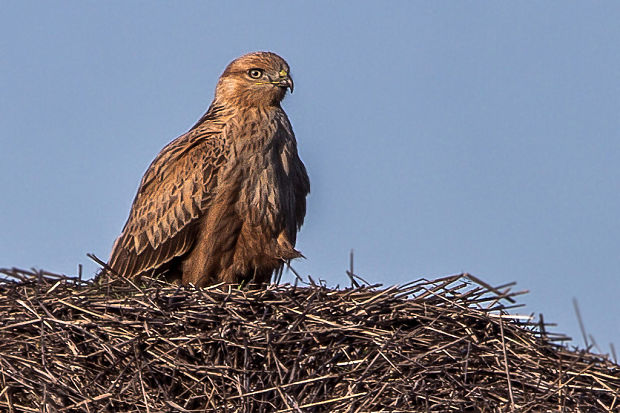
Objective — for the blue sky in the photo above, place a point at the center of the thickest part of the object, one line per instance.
(440, 137)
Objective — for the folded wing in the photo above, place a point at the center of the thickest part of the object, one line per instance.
(174, 193)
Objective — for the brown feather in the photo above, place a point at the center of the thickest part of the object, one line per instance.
(227, 197)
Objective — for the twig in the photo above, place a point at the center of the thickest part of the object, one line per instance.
(512, 399)
(581, 326)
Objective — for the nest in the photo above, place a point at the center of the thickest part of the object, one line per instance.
(442, 345)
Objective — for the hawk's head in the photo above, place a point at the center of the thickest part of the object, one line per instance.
(254, 79)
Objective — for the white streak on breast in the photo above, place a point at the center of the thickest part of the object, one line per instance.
(284, 157)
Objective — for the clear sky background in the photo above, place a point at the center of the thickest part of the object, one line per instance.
(440, 137)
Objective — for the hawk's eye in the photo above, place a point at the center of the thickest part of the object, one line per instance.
(255, 73)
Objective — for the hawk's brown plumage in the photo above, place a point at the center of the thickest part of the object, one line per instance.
(224, 201)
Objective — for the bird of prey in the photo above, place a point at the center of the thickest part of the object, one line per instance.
(224, 201)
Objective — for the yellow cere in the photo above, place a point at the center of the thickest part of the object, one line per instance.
(283, 73)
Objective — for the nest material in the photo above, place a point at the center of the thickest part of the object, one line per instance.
(446, 345)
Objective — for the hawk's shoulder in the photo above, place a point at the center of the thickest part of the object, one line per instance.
(174, 192)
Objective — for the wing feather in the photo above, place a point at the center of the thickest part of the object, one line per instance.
(172, 196)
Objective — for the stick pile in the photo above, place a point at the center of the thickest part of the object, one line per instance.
(446, 345)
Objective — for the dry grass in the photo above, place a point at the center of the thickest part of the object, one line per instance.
(443, 345)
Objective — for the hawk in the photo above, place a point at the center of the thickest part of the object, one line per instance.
(224, 201)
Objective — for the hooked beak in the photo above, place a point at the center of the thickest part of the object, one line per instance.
(285, 80)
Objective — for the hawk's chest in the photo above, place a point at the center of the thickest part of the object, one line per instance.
(261, 157)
